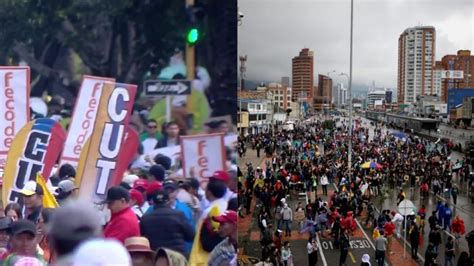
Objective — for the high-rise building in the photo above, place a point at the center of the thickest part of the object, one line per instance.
(463, 64)
(323, 95)
(302, 76)
(416, 59)
(285, 81)
(339, 95)
(281, 95)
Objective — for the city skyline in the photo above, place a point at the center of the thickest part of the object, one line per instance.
(271, 37)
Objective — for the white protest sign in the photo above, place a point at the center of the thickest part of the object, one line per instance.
(83, 118)
(203, 154)
(14, 105)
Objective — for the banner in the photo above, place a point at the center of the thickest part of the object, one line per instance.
(98, 164)
(35, 149)
(83, 118)
(14, 106)
(203, 154)
(126, 156)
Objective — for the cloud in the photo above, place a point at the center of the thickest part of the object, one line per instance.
(274, 31)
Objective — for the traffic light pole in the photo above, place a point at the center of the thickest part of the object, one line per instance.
(190, 55)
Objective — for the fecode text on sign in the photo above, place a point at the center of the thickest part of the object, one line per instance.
(203, 154)
(14, 105)
(83, 120)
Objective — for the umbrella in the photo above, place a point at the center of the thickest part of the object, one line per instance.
(399, 135)
(371, 164)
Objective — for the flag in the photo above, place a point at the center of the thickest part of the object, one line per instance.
(49, 201)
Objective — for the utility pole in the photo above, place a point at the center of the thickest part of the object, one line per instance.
(243, 68)
(350, 95)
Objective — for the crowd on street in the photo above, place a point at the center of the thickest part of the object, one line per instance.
(155, 216)
(314, 156)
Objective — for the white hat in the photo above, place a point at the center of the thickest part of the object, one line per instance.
(102, 252)
(129, 179)
(366, 258)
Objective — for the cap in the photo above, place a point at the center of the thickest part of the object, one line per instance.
(170, 184)
(117, 193)
(137, 196)
(138, 244)
(22, 226)
(193, 182)
(366, 258)
(130, 179)
(5, 222)
(101, 251)
(31, 188)
(221, 175)
(161, 196)
(153, 186)
(140, 183)
(75, 220)
(66, 170)
(226, 217)
(125, 185)
(67, 186)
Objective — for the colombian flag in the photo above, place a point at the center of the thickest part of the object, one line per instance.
(49, 201)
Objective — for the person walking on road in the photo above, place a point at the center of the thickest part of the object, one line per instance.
(380, 248)
(449, 252)
(454, 193)
(447, 215)
(414, 240)
(286, 255)
(345, 245)
(397, 220)
(324, 183)
(287, 216)
(312, 248)
(430, 255)
(389, 230)
(365, 260)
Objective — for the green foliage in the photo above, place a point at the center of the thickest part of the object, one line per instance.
(115, 38)
(328, 124)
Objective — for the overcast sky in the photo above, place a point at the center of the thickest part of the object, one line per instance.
(274, 31)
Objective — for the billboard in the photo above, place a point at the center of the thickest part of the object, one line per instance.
(452, 74)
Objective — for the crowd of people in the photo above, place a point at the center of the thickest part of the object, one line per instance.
(155, 216)
(315, 154)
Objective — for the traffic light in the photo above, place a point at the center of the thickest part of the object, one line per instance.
(192, 37)
(195, 14)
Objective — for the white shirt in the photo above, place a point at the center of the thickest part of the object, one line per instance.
(398, 218)
(149, 145)
(311, 248)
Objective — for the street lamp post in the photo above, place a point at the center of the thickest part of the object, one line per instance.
(350, 94)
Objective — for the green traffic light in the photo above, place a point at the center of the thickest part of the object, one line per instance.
(193, 36)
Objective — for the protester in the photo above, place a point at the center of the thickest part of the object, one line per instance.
(66, 189)
(32, 196)
(312, 248)
(449, 252)
(344, 243)
(380, 248)
(13, 210)
(149, 139)
(42, 234)
(365, 260)
(123, 223)
(226, 250)
(70, 225)
(140, 251)
(168, 257)
(23, 241)
(414, 234)
(166, 227)
(101, 251)
(171, 136)
(4, 236)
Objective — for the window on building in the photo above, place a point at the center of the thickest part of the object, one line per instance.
(251, 106)
(259, 107)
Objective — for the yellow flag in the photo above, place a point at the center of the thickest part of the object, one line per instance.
(49, 201)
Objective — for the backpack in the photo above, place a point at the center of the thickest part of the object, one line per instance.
(209, 238)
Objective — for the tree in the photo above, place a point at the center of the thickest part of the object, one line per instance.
(112, 38)
(288, 111)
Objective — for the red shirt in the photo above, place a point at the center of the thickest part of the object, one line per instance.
(389, 228)
(122, 225)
